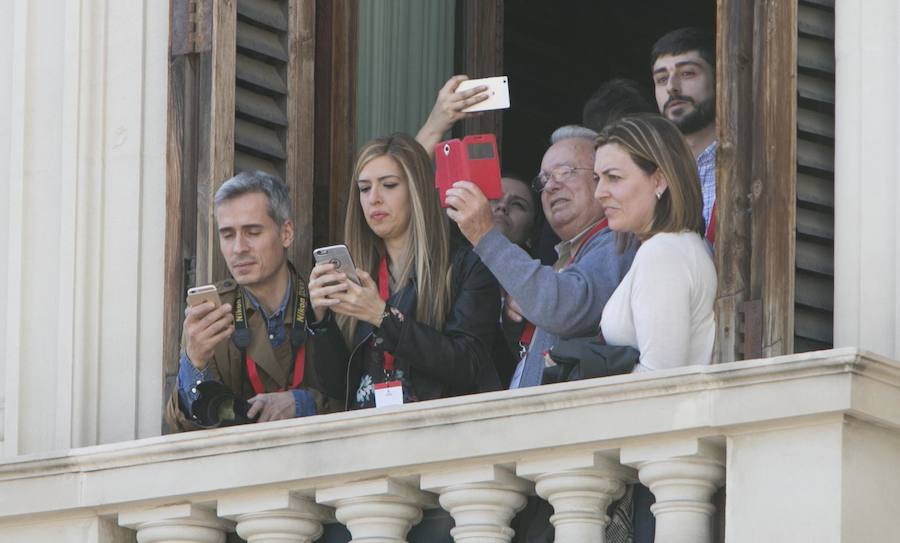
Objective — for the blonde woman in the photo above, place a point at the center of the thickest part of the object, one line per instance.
(425, 315)
(648, 185)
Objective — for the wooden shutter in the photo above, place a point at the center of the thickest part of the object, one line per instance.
(769, 223)
(814, 296)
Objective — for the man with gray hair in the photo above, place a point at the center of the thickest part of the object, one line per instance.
(254, 343)
(567, 299)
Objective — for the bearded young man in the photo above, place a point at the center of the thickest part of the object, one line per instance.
(683, 66)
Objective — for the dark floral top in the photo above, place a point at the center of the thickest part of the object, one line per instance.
(375, 372)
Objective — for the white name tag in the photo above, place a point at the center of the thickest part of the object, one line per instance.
(389, 393)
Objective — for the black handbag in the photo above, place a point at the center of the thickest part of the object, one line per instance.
(586, 358)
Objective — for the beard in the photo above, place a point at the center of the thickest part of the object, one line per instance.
(702, 115)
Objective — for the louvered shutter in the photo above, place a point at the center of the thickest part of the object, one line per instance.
(814, 281)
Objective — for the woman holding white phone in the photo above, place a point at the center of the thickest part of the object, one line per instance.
(421, 322)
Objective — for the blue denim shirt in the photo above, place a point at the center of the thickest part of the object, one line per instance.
(189, 376)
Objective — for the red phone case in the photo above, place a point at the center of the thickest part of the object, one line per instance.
(475, 159)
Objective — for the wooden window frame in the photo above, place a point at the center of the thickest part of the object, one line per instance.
(756, 178)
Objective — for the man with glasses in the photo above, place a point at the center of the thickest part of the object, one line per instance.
(567, 299)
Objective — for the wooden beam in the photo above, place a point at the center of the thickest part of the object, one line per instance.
(774, 187)
(734, 115)
(480, 54)
(182, 155)
(335, 129)
(218, 165)
(300, 168)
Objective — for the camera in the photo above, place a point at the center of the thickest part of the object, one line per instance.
(218, 406)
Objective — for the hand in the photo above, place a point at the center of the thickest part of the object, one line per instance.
(447, 111)
(470, 209)
(324, 281)
(512, 309)
(362, 302)
(205, 326)
(272, 406)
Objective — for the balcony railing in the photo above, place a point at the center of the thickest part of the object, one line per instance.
(801, 441)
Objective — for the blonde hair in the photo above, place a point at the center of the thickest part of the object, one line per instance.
(428, 256)
(655, 143)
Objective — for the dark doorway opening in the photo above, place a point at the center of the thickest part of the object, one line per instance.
(557, 54)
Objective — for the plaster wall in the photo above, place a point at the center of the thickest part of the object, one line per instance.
(84, 239)
(785, 485)
(871, 477)
(867, 166)
(76, 530)
(6, 41)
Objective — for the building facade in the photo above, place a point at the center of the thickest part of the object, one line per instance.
(117, 121)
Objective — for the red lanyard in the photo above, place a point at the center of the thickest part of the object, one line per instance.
(593, 232)
(711, 227)
(299, 367)
(383, 284)
(525, 339)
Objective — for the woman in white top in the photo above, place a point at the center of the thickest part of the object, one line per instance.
(648, 185)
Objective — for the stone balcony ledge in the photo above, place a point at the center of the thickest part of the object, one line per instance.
(631, 419)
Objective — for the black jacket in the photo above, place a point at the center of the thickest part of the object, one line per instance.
(451, 362)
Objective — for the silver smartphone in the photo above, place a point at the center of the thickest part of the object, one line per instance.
(205, 293)
(498, 93)
(340, 257)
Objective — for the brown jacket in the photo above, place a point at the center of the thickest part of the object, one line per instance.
(274, 366)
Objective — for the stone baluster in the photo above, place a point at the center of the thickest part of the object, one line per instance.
(482, 501)
(379, 510)
(580, 487)
(683, 476)
(182, 523)
(275, 516)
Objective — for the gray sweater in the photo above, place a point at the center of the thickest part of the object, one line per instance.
(563, 304)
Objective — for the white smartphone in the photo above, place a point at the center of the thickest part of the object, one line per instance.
(340, 257)
(205, 293)
(498, 93)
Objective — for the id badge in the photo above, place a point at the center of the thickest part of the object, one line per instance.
(389, 393)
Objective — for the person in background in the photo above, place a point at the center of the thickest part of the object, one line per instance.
(425, 315)
(613, 100)
(648, 186)
(519, 217)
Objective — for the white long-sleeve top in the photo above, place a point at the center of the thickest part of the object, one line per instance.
(664, 305)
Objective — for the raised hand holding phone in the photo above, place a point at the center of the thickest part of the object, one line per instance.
(497, 93)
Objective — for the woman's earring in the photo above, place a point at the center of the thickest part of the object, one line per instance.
(659, 195)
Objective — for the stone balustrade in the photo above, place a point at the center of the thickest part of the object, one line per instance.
(800, 441)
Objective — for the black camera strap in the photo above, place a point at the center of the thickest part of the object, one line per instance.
(298, 333)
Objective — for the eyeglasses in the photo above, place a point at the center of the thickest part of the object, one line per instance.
(560, 174)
